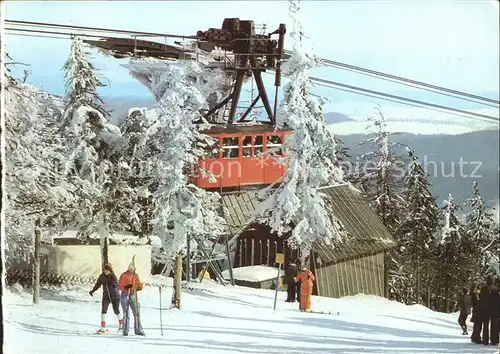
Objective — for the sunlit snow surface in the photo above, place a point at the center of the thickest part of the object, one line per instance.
(230, 320)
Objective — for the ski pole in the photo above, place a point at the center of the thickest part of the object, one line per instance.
(161, 319)
(111, 303)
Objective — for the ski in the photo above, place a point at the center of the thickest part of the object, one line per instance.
(321, 312)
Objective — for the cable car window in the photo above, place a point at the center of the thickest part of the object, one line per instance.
(247, 146)
(258, 145)
(230, 147)
(212, 150)
(274, 145)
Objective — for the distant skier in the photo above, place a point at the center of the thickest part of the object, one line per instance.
(291, 286)
(306, 277)
(476, 317)
(130, 284)
(495, 324)
(110, 294)
(488, 303)
(464, 304)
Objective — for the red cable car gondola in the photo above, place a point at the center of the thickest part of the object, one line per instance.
(245, 154)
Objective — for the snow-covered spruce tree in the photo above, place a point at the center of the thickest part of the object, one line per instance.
(480, 230)
(312, 162)
(37, 194)
(81, 82)
(494, 257)
(381, 178)
(417, 229)
(382, 174)
(180, 208)
(137, 129)
(450, 255)
(94, 155)
(344, 160)
(95, 165)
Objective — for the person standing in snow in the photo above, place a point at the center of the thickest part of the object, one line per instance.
(488, 306)
(298, 286)
(291, 286)
(130, 284)
(476, 317)
(306, 278)
(464, 304)
(495, 320)
(110, 294)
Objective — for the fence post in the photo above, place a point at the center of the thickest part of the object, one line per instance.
(36, 265)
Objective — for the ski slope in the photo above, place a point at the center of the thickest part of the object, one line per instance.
(218, 320)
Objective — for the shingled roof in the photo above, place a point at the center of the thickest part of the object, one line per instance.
(239, 210)
(366, 233)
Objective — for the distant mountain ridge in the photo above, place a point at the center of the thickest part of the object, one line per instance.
(335, 117)
(444, 156)
(442, 153)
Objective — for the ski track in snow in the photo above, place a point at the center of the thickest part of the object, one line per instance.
(230, 320)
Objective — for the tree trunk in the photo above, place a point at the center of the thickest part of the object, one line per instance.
(188, 259)
(418, 284)
(103, 237)
(176, 295)
(387, 263)
(36, 263)
(428, 287)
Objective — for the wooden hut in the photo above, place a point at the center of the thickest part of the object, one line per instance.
(348, 268)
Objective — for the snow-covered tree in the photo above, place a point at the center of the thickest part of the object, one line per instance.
(94, 155)
(94, 162)
(451, 254)
(381, 178)
(418, 226)
(344, 159)
(480, 229)
(382, 174)
(312, 163)
(81, 82)
(35, 187)
(180, 208)
(138, 127)
(494, 257)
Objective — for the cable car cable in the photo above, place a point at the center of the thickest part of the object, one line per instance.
(332, 63)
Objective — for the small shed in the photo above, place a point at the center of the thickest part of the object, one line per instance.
(258, 276)
(347, 268)
(64, 254)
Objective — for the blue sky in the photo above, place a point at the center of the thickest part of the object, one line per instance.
(453, 44)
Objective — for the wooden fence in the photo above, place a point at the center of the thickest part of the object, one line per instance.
(253, 249)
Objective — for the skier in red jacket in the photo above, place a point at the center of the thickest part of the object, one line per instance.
(130, 284)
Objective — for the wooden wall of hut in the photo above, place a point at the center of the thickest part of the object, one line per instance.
(258, 246)
(363, 275)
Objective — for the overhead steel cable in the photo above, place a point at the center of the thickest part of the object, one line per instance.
(403, 79)
(353, 89)
(473, 100)
(51, 32)
(332, 63)
(398, 99)
(401, 102)
(96, 29)
(37, 36)
(411, 100)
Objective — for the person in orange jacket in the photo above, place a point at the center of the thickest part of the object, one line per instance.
(306, 278)
(129, 285)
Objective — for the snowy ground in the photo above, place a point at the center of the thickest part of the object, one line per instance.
(219, 320)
